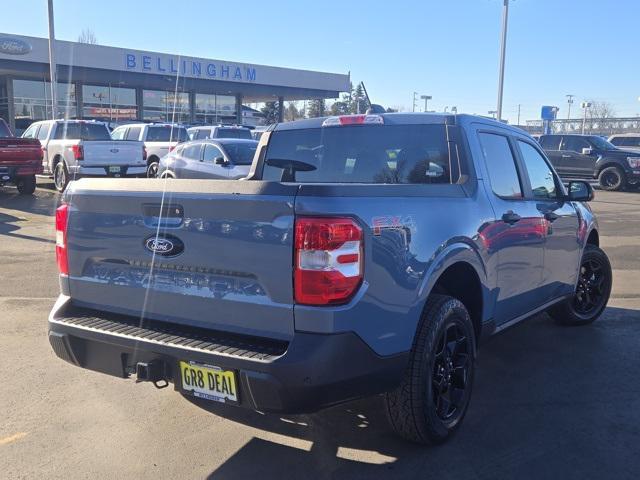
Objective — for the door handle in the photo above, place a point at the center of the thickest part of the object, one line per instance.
(511, 217)
(551, 216)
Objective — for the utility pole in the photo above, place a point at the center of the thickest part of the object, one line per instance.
(569, 102)
(52, 64)
(519, 106)
(503, 51)
(415, 99)
(585, 106)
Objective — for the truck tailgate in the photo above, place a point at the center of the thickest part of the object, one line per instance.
(223, 252)
(15, 151)
(117, 152)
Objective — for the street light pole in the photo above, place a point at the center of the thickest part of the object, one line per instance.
(52, 63)
(426, 98)
(415, 95)
(503, 50)
(585, 106)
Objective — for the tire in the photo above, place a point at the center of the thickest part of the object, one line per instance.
(416, 410)
(26, 185)
(612, 178)
(152, 169)
(590, 289)
(60, 176)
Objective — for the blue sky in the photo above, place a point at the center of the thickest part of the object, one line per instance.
(446, 48)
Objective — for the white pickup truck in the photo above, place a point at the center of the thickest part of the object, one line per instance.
(159, 140)
(80, 148)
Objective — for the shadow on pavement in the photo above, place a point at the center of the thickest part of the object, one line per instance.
(9, 224)
(548, 402)
(43, 202)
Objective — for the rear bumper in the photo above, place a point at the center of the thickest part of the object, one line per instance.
(9, 173)
(311, 372)
(103, 171)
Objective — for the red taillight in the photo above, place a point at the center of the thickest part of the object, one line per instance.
(328, 260)
(78, 152)
(62, 217)
(144, 152)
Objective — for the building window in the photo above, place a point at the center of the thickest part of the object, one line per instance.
(32, 101)
(160, 106)
(109, 103)
(213, 109)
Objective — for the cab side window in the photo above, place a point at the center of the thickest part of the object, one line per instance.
(133, 133)
(43, 133)
(118, 134)
(31, 132)
(541, 176)
(574, 144)
(192, 152)
(501, 165)
(550, 142)
(211, 152)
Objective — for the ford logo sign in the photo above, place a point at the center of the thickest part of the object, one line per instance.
(114, 150)
(164, 245)
(14, 46)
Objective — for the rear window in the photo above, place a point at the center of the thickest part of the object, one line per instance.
(167, 134)
(396, 154)
(4, 131)
(240, 153)
(82, 131)
(233, 133)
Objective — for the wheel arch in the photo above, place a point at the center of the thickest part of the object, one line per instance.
(152, 158)
(607, 164)
(460, 272)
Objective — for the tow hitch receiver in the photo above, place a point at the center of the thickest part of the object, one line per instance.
(153, 371)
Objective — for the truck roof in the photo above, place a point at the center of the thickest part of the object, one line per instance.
(402, 118)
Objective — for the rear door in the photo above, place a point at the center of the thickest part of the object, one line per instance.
(551, 146)
(562, 250)
(229, 265)
(517, 235)
(577, 164)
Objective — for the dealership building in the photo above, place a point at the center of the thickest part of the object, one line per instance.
(121, 84)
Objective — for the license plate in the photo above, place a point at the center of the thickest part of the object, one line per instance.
(209, 382)
(114, 169)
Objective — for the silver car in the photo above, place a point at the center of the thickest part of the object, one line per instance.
(224, 158)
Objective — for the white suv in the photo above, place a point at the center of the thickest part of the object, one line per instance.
(159, 139)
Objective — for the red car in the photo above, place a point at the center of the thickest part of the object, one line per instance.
(20, 160)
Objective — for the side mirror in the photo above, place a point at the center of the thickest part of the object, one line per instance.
(580, 191)
(587, 151)
(220, 161)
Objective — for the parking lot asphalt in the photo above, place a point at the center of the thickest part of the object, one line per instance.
(548, 402)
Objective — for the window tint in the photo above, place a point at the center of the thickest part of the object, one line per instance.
(240, 153)
(43, 133)
(166, 133)
(133, 133)
(550, 142)
(118, 134)
(540, 175)
(202, 133)
(211, 152)
(31, 131)
(82, 131)
(4, 130)
(361, 154)
(574, 144)
(501, 165)
(192, 152)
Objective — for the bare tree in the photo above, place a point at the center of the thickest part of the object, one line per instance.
(599, 117)
(87, 36)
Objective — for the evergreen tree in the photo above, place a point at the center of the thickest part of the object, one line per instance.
(270, 112)
(316, 108)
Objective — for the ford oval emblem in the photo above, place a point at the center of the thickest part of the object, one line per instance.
(14, 46)
(164, 245)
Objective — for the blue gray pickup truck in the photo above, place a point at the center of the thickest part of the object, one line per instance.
(364, 255)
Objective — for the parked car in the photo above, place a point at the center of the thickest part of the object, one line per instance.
(628, 141)
(257, 132)
(226, 158)
(363, 255)
(159, 139)
(20, 160)
(590, 157)
(80, 148)
(219, 131)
